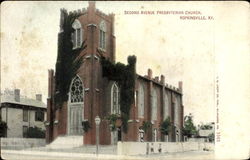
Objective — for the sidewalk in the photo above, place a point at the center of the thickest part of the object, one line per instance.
(42, 155)
(88, 149)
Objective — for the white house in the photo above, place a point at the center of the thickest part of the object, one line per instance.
(20, 113)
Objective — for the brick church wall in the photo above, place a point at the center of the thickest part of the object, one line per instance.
(97, 96)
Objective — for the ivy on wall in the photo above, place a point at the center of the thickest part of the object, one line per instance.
(112, 118)
(124, 75)
(86, 126)
(165, 126)
(146, 125)
(68, 60)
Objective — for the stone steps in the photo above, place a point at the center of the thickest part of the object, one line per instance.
(66, 142)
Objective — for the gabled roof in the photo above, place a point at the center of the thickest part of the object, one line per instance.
(10, 98)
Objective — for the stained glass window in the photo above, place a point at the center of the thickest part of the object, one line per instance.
(76, 91)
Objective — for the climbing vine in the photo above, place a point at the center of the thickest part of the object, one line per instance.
(124, 75)
(146, 125)
(68, 60)
(166, 126)
(112, 118)
(86, 126)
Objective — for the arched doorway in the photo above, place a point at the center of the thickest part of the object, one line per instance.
(75, 107)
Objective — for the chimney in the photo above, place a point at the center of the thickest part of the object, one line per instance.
(150, 73)
(180, 85)
(157, 79)
(39, 97)
(17, 95)
(162, 79)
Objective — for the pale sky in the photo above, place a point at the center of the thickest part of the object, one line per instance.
(192, 51)
(182, 50)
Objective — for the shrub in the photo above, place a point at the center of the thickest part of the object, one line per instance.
(35, 132)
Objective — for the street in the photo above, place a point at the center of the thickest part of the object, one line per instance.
(41, 155)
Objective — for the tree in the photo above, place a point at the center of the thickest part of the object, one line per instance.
(189, 129)
(165, 126)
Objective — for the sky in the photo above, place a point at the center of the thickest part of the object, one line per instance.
(197, 52)
(181, 50)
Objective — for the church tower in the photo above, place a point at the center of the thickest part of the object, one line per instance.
(85, 95)
(131, 107)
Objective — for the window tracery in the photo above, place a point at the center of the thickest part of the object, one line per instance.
(76, 91)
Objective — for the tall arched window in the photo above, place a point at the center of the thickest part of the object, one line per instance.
(141, 101)
(176, 111)
(102, 37)
(77, 34)
(154, 105)
(76, 91)
(115, 94)
(75, 107)
(176, 118)
(165, 111)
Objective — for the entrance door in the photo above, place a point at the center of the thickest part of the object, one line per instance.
(75, 126)
(75, 107)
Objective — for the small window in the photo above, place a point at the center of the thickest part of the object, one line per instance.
(102, 37)
(25, 115)
(25, 130)
(77, 34)
(39, 116)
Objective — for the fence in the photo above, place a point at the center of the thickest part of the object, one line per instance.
(21, 143)
(143, 148)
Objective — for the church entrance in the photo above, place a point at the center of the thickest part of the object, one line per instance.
(75, 107)
(75, 126)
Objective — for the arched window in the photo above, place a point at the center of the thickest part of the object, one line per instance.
(165, 110)
(77, 34)
(177, 118)
(102, 37)
(76, 91)
(154, 105)
(115, 106)
(75, 107)
(176, 111)
(141, 101)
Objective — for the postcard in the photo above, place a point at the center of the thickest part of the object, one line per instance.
(125, 80)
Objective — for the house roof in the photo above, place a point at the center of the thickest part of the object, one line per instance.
(10, 98)
(205, 133)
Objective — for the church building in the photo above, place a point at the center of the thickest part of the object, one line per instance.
(130, 109)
